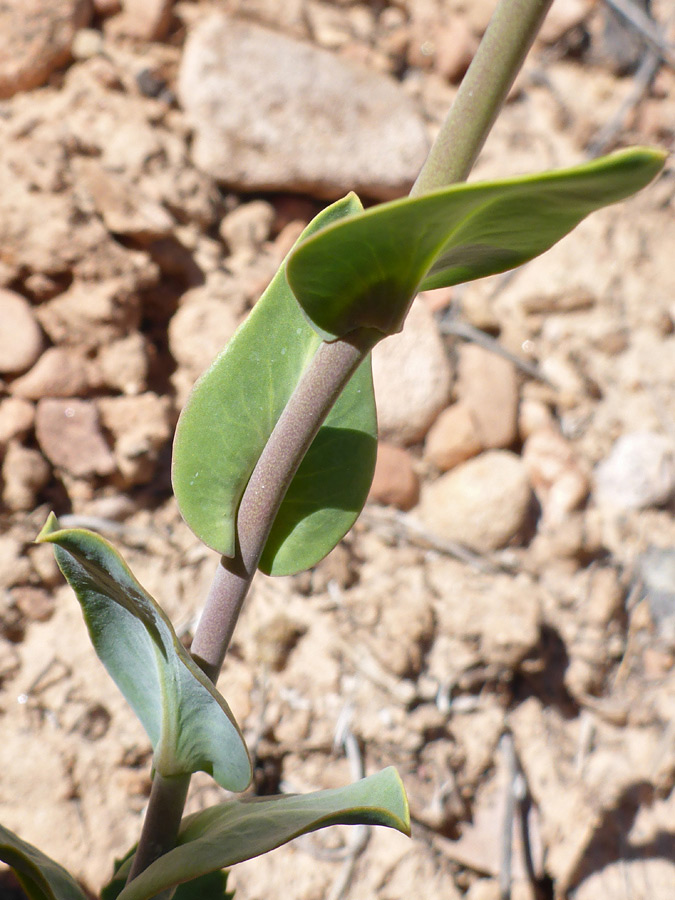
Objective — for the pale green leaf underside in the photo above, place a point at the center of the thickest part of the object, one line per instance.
(237, 830)
(230, 415)
(364, 272)
(40, 877)
(189, 724)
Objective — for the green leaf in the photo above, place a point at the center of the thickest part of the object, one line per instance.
(212, 886)
(237, 830)
(189, 724)
(40, 877)
(364, 272)
(229, 417)
(113, 888)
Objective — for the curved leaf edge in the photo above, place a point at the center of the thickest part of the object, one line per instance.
(210, 832)
(645, 161)
(211, 886)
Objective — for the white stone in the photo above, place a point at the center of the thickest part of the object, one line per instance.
(272, 113)
(639, 472)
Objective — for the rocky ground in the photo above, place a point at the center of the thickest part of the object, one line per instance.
(505, 608)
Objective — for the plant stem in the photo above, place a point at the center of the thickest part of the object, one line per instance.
(162, 820)
(508, 38)
(313, 398)
(319, 387)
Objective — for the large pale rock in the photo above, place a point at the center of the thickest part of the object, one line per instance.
(639, 472)
(412, 377)
(483, 503)
(35, 39)
(272, 113)
(488, 387)
(20, 335)
(69, 434)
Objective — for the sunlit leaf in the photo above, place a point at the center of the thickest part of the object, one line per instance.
(237, 830)
(40, 877)
(364, 271)
(189, 724)
(230, 415)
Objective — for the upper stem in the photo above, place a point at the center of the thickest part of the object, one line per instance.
(162, 821)
(506, 42)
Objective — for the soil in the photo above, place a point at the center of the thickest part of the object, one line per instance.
(549, 660)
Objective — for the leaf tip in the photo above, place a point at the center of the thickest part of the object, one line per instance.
(48, 529)
(650, 160)
(404, 814)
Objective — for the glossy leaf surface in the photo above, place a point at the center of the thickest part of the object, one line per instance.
(189, 724)
(237, 830)
(40, 877)
(230, 415)
(364, 272)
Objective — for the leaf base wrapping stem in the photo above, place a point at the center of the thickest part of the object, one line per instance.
(318, 389)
